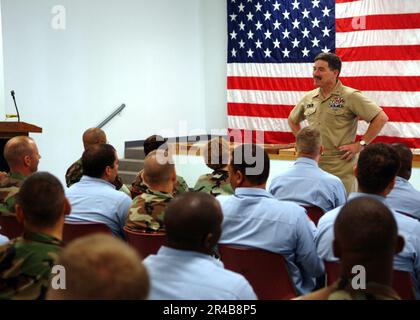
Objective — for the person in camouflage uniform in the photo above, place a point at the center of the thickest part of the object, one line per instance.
(366, 235)
(91, 137)
(74, 173)
(26, 262)
(138, 186)
(216, 157)
(22, 156)
(147, 211)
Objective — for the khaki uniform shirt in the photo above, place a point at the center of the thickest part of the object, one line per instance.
(336, 117)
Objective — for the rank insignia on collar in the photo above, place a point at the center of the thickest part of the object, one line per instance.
(310, 105)
(337, 103)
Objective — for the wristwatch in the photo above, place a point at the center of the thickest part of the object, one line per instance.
(363, 143)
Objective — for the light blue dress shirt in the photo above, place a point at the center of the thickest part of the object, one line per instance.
(408, 228)
(188, 275)
(94, 199)
(3, 239)
(404, 198)
(307, 184)
(253, 217)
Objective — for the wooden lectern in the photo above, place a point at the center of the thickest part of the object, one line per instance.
(12, 129)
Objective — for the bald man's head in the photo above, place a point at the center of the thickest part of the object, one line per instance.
(93, 136)
(21, 154)
(159, 168)
(366, 228)
(193, 222)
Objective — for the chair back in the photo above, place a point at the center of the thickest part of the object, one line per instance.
(265, 271)
(332, 271)
(73, 230)
(314, 213)
(10, 227)
(403, 285)
(144, 242)
(401, 280)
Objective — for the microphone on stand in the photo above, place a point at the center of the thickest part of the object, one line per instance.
(17, 110)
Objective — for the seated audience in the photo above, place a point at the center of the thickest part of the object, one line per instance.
(305, 183)
(376, 170)
(91, 137)
(94, 198)
(404, 198)
(216, 157)
(254, 218)
(184, 269)
(147, 210)
(26, 262)
(101, 267)
(138, 186)
(365, 235)
(22, 156)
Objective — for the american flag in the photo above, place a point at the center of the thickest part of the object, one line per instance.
(272, 45)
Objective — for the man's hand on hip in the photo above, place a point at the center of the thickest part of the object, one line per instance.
(350, 150)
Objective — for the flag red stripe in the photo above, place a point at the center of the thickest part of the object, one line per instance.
(305, 84)
(259, 110)
(287, 137)
(379, 22)
(269, 136)
(395, 114)
(409, 52)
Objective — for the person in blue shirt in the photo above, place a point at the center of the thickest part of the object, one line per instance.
(94, 197)
(404, 198)
(376, 170)
(254, 218)
(184, 268)
(305, 183)
(365, 235)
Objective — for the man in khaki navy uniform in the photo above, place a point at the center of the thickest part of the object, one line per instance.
(334, 110)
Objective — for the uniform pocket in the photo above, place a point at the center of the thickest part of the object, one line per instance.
(336, 111)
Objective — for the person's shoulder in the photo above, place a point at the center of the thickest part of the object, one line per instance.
(203, 181)
(330, 178)
(8, 181)
(408, 224)
(348, 91)
(286, 205)
(328, 218)
(310, 94)
(283, 210)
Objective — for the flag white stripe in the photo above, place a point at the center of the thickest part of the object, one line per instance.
(382, 98)
(397, 129)
(375, 7)
(366, 38)
(304, 70)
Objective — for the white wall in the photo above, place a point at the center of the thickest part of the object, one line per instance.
(151, 55)
(214, 42)
(2, 93)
